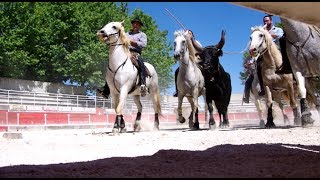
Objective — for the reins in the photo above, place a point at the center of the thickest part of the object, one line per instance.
(121, 65)
(299, 47)
(114, 43)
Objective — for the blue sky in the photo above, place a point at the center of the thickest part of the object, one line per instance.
(207, 20)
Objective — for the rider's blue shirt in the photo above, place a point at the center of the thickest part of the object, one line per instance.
(140, 38)
(279, 32)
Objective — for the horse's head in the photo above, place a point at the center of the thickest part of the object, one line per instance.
(112, 33)
(259, 40)
(180, 44)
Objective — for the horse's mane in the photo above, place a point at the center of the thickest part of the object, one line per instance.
(123, 37)
(271, 46)
(192, 50)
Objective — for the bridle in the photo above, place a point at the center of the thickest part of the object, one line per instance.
(121, 65)
(259, 47)
(115, 42)
(182, 52)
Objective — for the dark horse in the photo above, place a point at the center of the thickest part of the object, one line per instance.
(217, 81)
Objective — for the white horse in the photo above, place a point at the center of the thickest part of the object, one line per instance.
(303, 51)
(190, 81)
(254, 94)
(122, 76)
(275, 83)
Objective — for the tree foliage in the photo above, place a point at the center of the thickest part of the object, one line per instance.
(244, 73)
(56, 41)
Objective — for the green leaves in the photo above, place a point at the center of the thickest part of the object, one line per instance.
(56, 42)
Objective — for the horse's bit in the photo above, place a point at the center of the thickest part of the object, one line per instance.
(115, 42)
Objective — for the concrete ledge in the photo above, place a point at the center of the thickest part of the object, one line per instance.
(11, 135)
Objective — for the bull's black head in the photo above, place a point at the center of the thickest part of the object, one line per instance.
(210, 58)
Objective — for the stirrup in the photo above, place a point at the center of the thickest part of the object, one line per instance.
(143, 90)
(175, 94)
(245, 100)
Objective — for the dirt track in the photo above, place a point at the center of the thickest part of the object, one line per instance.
(243, 150)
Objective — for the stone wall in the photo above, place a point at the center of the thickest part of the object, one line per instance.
(37, 86)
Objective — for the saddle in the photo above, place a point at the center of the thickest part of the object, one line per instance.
(285, 67)
(134, 60)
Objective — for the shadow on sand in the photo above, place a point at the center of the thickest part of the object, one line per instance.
(251, 161)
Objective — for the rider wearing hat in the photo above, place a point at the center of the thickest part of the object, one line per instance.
(138, 41)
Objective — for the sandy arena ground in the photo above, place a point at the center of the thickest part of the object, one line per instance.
(243, 150)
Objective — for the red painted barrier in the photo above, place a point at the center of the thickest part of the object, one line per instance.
(47, 118)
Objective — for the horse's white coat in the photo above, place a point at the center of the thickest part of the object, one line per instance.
(122, 75)
(190, 81)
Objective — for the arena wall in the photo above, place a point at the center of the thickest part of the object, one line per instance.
(37, 86)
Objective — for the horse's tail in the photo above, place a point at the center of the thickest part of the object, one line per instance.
(157, 100)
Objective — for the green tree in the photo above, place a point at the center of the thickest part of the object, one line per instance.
(244, 73)
(56, 41)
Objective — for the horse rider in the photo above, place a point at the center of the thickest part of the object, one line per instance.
(276, 33)
(250, 67)
(195, 43)
(138, 41)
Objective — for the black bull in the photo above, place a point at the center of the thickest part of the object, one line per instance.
(217, 81)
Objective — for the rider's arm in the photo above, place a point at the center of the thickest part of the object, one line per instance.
(277, 33)
(142, 41)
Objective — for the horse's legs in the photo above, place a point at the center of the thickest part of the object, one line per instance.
(155, 97)
(192, 117)
(212, 123)
(181, 119)
(196, 122)
(277, 98)
(257, 102)
(270, 123)
(115, 100)
(137, 123)
(225, 119)
(206, 115)
(306, 118)
(255, 87)
(318, 104)
(119, 102)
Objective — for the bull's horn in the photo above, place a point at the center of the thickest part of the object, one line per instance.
(222, 40)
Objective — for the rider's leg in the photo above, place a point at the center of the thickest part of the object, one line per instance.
(142, 77)
(105, 91)
(247, 88)
(259, 64)
(175, 82)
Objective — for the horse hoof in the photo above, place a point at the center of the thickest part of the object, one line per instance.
(212, 127)
(307, 121)
(115, 130)
(297, 121)
(137, 128)
(156, 128)
(182, 120)
(196, 126)
(261, 124)
(307, 125)
(123, 130)
(270, 125)
(286, 120)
